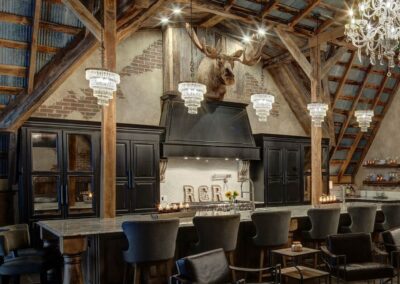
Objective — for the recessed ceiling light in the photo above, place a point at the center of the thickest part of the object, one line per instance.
(261, 31)
(164, 20)
(246, 39)
(177, 10)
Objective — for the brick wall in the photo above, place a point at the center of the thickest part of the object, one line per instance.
(82, 101)
(252, 86)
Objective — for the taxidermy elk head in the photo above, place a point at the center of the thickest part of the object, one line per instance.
(216, 69)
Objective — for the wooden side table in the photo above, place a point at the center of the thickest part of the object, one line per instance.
(302, 273)
(296, 256)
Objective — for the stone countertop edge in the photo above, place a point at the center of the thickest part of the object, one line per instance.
(69, 228)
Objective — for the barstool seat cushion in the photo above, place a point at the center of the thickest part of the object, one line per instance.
(23, 265)
(365, 271)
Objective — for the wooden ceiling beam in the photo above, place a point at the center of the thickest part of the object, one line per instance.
(343, 80)
(25, 45)
(215, 19)
(34, 40)
(304, 13)
(269, 7)
(129, 28)
(349, 156)
(327, 36)
(85, 16)
(8, 90)
(12, 70)
(22, 20)
(295, 51)
(332, 61)
(353, 108)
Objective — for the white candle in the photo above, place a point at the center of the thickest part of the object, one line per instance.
(180, 205)
(167, 207)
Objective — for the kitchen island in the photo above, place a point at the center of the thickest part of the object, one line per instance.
(76, 236)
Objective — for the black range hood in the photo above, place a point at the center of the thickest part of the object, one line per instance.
(219, 130)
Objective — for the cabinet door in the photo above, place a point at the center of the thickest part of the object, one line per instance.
(294, 190)
(145, 195)
(44, 172)
(123, 174)
(144, 157)
(274, 191)
(81, 153)
(292, 169)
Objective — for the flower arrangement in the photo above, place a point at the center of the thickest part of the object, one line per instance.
(231, 195)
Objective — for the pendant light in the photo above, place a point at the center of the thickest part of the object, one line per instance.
(102, 81)
(364, 118)
(262, 103)
(317, 110)
(192, 92)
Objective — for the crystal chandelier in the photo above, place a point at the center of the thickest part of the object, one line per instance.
(262, 103)
(375, 27)
(192, 92)
(364, 118)
(317, 112)
(103, 83)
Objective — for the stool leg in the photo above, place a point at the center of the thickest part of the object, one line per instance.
(137, 274)
(232, 262)
(260, 274)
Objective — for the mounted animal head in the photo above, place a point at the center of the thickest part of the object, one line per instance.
(216, 69)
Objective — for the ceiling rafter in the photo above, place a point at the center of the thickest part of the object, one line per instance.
(34, 40)
(332, 61)
(215, 19)
(25, 45)
(269, 7)
(12, 70)
(343, 80)
(353, 108)
(22, 20)
(85, 16)
(10, 90)
(304, 13)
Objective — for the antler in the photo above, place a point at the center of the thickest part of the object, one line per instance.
(253, 56)
(212, 52)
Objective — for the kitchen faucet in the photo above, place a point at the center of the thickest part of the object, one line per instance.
(250, 192)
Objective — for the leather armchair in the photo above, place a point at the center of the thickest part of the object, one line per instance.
(212, 267)
(391, 241)
(350, 257)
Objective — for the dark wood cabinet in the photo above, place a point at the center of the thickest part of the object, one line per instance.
(138, 162)
(59, 169)
(283, 176)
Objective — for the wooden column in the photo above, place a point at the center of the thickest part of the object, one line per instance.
(108, 119)
(316, 132)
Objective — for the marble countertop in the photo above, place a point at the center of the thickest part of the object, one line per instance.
(95, 226)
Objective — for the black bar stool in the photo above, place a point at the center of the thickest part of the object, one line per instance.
(324, 222)
(150, 243)
(362, 219)
(272, 231)
(215, 232)
(391, 213)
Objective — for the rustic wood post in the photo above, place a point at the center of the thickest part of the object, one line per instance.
(108, 119)
(316, 132)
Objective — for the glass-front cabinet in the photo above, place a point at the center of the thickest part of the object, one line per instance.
(58, 171)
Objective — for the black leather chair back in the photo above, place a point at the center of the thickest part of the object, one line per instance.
(357, 247)
(362, 218)
(272, 228)
(216, 232)
(207, 267)
(391, 239)
(150, 240)
(391, 213)
(324, 222)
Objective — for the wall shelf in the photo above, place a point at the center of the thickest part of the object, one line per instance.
(384, 166)
(381, 183)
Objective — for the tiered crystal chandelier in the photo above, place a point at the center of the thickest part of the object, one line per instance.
(262, 103)
(103, 83)
(375, 27)
(317, 112)
(364, 118)
(192, 92)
